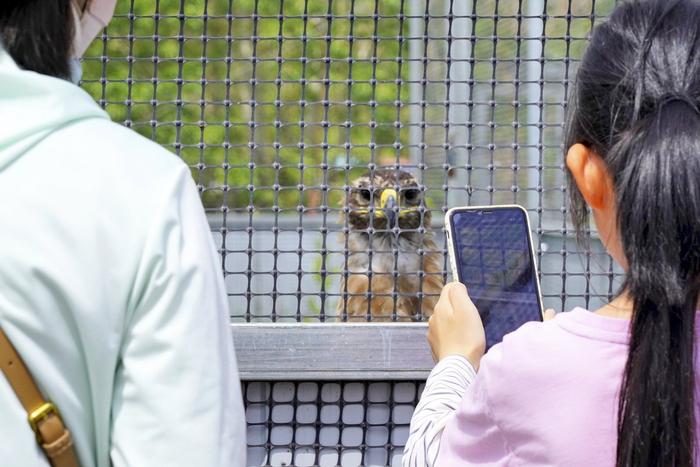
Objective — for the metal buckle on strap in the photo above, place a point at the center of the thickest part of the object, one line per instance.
(40, 413)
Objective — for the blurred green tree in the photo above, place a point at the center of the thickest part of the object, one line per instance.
(295, 98)
(246, 94)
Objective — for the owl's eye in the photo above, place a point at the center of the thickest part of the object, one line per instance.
(411, 195)
(365, 194)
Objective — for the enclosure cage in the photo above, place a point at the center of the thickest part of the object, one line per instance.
(281, 107)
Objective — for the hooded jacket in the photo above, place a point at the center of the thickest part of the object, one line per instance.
(110, 288)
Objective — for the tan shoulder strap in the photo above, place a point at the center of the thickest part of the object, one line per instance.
(51, 434)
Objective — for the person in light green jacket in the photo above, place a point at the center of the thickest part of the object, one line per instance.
(110, 285)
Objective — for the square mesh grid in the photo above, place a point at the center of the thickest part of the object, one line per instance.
(278, 106)
(328, 424)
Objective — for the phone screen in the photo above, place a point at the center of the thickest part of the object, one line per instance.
(494, 261)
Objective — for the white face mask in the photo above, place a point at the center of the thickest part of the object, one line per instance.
(96, 16)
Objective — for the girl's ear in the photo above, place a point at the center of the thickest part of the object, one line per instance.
(591, 176)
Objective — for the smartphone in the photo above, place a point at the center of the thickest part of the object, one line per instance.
(491, 252)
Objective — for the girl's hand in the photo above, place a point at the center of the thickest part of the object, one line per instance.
(455, 327)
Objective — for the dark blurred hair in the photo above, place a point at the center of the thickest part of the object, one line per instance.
(636, 104)
(38, 34)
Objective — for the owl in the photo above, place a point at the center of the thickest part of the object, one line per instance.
(393, 264)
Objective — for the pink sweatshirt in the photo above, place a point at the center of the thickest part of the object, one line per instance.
(546, 396)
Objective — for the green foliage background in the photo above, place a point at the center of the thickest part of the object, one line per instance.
(183, 73)
(218, 111)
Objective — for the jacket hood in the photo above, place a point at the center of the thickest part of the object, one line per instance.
(32, 106)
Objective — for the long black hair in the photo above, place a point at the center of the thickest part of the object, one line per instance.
(38, 34)
(636, 105)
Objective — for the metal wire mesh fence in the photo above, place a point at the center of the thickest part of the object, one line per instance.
(279, 107)
(296, 116)
(328, 424)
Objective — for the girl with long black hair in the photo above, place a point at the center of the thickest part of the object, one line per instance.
(616, 386)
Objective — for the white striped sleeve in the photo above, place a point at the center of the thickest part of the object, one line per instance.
(444, 389)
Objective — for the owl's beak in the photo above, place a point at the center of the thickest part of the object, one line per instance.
(387, 202)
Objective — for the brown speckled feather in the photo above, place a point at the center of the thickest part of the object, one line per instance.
(389, 271)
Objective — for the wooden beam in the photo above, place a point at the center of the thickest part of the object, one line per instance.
(332, 351)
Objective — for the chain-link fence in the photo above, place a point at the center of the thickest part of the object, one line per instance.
(295, 117)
